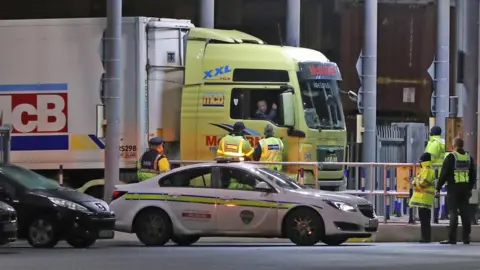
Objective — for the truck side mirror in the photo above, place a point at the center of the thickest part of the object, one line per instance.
(352, 96)
(288, 106)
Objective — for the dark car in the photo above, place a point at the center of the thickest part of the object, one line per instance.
(8, 223)
(48, 212)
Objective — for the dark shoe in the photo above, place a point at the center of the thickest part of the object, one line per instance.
(466, 242)
(424, 241)
(446, 242)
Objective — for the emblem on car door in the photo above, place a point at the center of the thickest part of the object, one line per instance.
(101, 206)
(246, 216)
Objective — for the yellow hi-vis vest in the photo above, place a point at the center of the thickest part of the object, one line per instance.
(423, 187)
(272, 151)
(462, 166)
(234, 146)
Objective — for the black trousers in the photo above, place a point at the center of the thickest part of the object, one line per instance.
(425, 215)
(458, 201)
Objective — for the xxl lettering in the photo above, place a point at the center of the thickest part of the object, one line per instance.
(35, 113)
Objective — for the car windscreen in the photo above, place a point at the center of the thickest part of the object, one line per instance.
(280, 179)
(29, 179)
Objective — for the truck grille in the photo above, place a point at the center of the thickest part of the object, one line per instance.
(367, 210)
(330, 154)
(8, 217)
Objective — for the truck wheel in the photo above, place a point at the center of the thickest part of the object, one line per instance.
(81, 242)
(153, 227)
(334, 240)
(184, 240)
(42, 233)
(304, 227)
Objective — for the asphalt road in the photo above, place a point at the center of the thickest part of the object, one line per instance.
(130, 255)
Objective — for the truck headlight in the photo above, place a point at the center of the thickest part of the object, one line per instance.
(68, 204)
(342, 206)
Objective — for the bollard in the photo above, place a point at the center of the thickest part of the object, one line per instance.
(436, 209)
(60, 175)
(387, 196)
(411, 214)
(302, 175)
(443, 208)
(387, 207)
(362, 179)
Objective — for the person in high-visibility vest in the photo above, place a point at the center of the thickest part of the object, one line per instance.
(424, 195)
(235, 144)
(436, 146)
(269, 149)
(153, 161)
(458, 170)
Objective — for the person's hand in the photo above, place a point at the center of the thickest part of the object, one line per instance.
(274, 106)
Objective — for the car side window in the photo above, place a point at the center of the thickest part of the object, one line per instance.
(238, 175)
(196, 178)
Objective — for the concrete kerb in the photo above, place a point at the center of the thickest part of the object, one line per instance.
(400, 232)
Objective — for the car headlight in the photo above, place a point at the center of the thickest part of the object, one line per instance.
(68, 204)
(342, 206)
(6, 207)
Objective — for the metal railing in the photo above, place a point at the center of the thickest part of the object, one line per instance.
(5, 138)
(388, 187)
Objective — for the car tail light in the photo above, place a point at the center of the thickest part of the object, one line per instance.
(117, 194)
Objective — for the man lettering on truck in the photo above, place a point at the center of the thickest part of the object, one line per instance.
(153, 161)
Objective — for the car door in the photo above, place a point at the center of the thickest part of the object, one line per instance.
(191, 199)
(245, 211)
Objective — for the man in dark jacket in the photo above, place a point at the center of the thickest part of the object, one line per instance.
(458, 172)
(261, 113)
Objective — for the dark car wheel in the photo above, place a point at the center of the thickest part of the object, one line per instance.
(153, 227)
(184, 240)
(81, 242)
(304, 227)
(42, 233)
(334, 240)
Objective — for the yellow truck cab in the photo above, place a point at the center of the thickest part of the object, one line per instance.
(228, 72)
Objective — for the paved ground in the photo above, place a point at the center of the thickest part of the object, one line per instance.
(214, 254)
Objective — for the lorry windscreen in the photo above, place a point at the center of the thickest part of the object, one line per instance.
(322, 104)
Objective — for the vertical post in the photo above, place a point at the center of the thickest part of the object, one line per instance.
(442, 68)
(469, 127)
(207, 13)
(293, 23)
(112, 98)
(460, 48)
(369, 86)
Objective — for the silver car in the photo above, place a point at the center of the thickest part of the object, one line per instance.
(237, 200)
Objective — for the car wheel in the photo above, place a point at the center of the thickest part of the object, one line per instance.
(184, 240)
(304, 227)
(42, 233)
(334, 240)
(153, 227)
(81, 242)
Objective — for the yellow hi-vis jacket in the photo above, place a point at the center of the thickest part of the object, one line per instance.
(436, 148)
(424, 187)
(272, 151)
(234, 146)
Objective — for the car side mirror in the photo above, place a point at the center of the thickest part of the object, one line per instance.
(288, 108)
(352, 96)
(264, 187)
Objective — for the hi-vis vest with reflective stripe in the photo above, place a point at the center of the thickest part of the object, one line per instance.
(234, 146)
(423, 187)
(272, 151)
(462, 166)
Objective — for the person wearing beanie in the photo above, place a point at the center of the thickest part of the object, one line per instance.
(269, 149)
(234, 144)
(424, 195)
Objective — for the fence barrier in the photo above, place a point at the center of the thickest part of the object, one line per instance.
(391, 199)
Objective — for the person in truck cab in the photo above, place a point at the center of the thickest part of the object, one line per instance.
(153, 161)
(235, 144)
(261, 113)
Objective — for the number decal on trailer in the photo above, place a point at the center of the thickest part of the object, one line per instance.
(128, 148)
